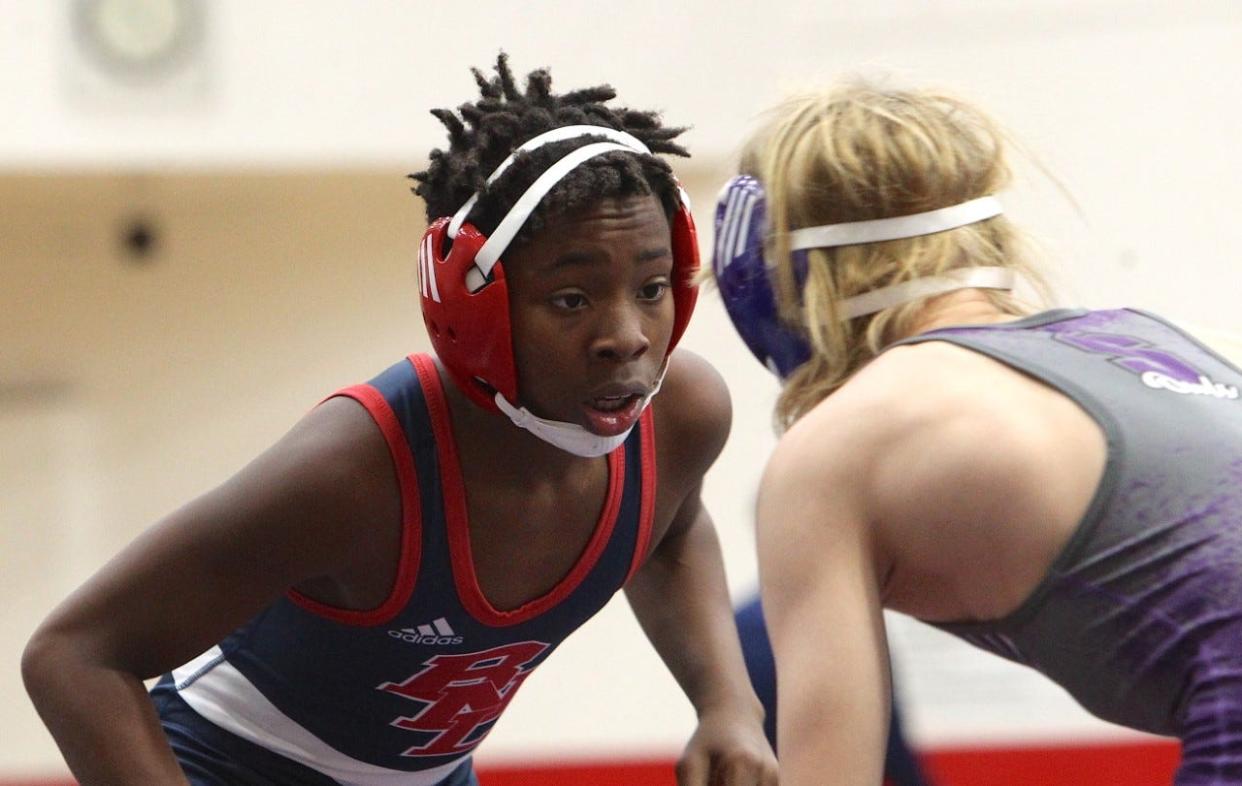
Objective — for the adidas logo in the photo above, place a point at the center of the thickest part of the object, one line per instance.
(437, 633)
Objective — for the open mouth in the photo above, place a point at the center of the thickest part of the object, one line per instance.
(612, 415)
(612, 403)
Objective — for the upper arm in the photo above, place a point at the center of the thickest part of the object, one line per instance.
(692, 417)
(693, 413)
(819, 575)
(203, 570)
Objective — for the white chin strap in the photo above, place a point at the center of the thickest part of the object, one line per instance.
(901, 227)
(571, 437)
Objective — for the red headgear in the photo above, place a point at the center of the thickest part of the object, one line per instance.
(465, 297)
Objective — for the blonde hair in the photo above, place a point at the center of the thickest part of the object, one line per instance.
(862, 152)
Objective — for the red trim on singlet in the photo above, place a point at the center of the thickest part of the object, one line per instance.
(411, 519)
(647, 505)
(458, 528)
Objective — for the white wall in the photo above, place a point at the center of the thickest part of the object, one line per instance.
(1132, 103)
(277, 284)
(289, 81)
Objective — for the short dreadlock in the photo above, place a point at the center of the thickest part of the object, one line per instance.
(485, 133)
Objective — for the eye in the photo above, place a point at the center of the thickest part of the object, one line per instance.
(653, 291)
(569, 301)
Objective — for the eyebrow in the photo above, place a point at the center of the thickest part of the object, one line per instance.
(586, 258)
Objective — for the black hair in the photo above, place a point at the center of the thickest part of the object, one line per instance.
(484, 133)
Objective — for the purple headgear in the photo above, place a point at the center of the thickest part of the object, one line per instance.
(742, 272)
(738, 264)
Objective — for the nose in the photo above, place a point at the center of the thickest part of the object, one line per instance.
(620, 336)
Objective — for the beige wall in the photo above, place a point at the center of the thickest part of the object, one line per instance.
(263, 290)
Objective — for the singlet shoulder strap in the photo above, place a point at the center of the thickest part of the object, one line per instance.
(392, 400)
(647, 504)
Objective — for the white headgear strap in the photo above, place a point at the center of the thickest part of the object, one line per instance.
(898, 228)
(512, 222)
(555, 135)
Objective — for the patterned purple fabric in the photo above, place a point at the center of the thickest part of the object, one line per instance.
(1140, 617)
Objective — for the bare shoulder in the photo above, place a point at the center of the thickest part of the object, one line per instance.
(922, 425)
(332, 470)
(815, 499)
(951, 415)
(290, 515)
(301, 501)
(693, 413)
(339, 442)
(982, 461)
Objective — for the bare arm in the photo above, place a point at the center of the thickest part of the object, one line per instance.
(682, 602)
(878, 489)
(822, 604)
(191, 579)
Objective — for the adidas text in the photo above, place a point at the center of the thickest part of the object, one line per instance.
(437, 633)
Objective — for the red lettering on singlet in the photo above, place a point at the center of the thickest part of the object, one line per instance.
(462, 693)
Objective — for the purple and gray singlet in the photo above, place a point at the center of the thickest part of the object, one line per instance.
(1140, 617)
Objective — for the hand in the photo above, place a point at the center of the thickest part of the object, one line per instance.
(728, 749)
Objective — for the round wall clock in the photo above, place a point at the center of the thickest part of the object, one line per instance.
(138, 38)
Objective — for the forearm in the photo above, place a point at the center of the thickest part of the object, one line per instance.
(828, 736)
(833, 680)
(682, 602)
(101, 718)
(833, 686)
(823, 611)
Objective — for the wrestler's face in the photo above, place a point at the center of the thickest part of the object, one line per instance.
(592, 312)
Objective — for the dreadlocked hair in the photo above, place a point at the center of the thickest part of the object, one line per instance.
(484, 133)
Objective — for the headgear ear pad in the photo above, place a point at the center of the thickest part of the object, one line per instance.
(742, 275)
(471, 331)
